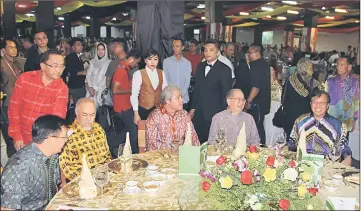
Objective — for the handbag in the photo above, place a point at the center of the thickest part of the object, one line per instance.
(107, 98)
(279, 115)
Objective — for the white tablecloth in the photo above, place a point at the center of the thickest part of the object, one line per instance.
(354, 142)
(272, 132)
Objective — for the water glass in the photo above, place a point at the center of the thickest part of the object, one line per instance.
(101, 178)
(120, 150)
(336, 154)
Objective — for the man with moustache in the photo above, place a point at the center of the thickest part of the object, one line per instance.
(36, 94)
(10, 69)
(178, 70)
(213, 81)
(34, 52)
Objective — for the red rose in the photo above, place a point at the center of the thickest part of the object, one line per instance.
(221, 160)
(252, 148)
(313, 191)
(284, 204)
(270, 160)
(292, 163)
(246, 177)
(206, 186)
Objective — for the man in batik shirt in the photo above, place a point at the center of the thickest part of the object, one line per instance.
(87, 137)
(166, 126)
(323, 131)
(345, 94)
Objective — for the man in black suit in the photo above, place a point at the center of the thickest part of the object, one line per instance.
(75, 72)
(213, 80)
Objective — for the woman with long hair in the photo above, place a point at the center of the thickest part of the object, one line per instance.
(95, 78)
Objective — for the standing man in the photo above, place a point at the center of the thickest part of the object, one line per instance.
(75, 71)
(193, 56)
(229, 53)
(214, 79)
(344, 92)
(121, 97)
(10, 71)
(36, 94)
(178, 70)
(259, 99)
(35, 51)
(27, 43)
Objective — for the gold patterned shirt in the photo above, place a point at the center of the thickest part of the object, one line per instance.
(92, 143)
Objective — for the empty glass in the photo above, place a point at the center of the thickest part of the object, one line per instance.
(120, 150)
(221, 139)
(101, 178)
(336, 154)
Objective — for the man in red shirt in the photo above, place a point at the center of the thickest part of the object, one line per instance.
(121, 97)
(37, 93)
(192, 55)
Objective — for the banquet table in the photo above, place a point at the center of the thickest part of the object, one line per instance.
(173, 195)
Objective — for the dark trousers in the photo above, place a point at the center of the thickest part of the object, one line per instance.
(10, 149)
(258, 117)
(144, 113)
(186, 106)
(202, 126)
(77, 94)
(127, 117)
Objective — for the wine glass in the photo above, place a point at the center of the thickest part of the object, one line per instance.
(101, 178)
(120, 150)
(175, 142)
(336, 154)
(221, 139)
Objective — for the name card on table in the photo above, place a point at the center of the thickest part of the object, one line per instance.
(340, 203)
(191, 160)
(312, 164)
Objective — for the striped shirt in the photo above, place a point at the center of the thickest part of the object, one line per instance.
(32, 99)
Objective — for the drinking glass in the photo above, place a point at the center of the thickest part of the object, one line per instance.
(221, 139)
(120, 150)
(101, 178)
(336, 154)
(175, 143)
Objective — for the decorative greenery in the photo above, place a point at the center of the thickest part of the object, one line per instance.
(225, 185)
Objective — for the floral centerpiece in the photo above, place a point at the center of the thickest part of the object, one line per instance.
(258, 182)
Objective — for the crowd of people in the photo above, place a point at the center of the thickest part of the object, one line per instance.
(214, 88)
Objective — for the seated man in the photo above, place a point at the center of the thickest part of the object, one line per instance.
(167, 124)
(231, 121)
(87, 137)
(30, 178)
(322, 130)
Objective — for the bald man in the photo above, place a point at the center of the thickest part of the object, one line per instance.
(85, 137)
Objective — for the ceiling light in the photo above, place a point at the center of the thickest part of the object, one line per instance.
(58, 8)
(114, 19)
(330, 17)
(292, 12)
(340, 10)
(30, 14)
(87, 17)
(323, 8)
(22, 6)
(268, 16)
(281, 18)
(62, 26)
(61, 18)
(203, 18)
(357, 21)
(201, 6)
(290, 2)
(184, 24)
(125, 14)
(267, 8)
(243, 13)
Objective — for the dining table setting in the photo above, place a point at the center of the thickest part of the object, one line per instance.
(154, 184)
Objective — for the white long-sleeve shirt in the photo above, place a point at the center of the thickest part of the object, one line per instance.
(137, 82)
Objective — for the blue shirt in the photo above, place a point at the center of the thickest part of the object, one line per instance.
(178, 73)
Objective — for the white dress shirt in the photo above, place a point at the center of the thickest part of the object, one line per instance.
(137, 82)
(208, 68)
(225, 61)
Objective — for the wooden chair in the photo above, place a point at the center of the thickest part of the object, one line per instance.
(141, 136)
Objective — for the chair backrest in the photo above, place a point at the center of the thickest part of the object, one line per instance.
(141, 136)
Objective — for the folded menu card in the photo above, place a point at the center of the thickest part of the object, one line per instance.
(191, 160)
(340, 203)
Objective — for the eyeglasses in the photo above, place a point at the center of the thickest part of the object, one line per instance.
(62, 137)
(250, 52)
(61, 67)
(238, 99)
(319, 103)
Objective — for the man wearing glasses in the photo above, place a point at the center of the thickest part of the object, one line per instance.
(231, 121)
(36, 94)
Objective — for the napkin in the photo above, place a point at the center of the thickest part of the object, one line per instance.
(188, 139)
(87, 187)
(241, 144)
(301, 145)
(127, 155)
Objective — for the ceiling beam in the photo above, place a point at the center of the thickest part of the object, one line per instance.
(242, 8)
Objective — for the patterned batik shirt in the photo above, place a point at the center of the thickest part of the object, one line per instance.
(24, 182)
(92, 143)
(321, 136)
(161, 129)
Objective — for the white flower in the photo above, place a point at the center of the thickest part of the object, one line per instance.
(257, 206)
(252, 200)
(309, 207)
(290, 174)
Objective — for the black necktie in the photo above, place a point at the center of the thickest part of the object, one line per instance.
(210, 65)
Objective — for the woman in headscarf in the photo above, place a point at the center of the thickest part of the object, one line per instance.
(297, 91)
(95, 78)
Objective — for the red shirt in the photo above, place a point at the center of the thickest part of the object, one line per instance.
(122, 101)
(32, 99)
(194, 59)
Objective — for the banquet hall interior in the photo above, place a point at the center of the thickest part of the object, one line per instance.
(180, 105)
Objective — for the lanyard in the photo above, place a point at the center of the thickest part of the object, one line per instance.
(11, 68)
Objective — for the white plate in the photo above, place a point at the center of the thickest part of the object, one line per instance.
(170, 173)
(151, 190)
(136, 191)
